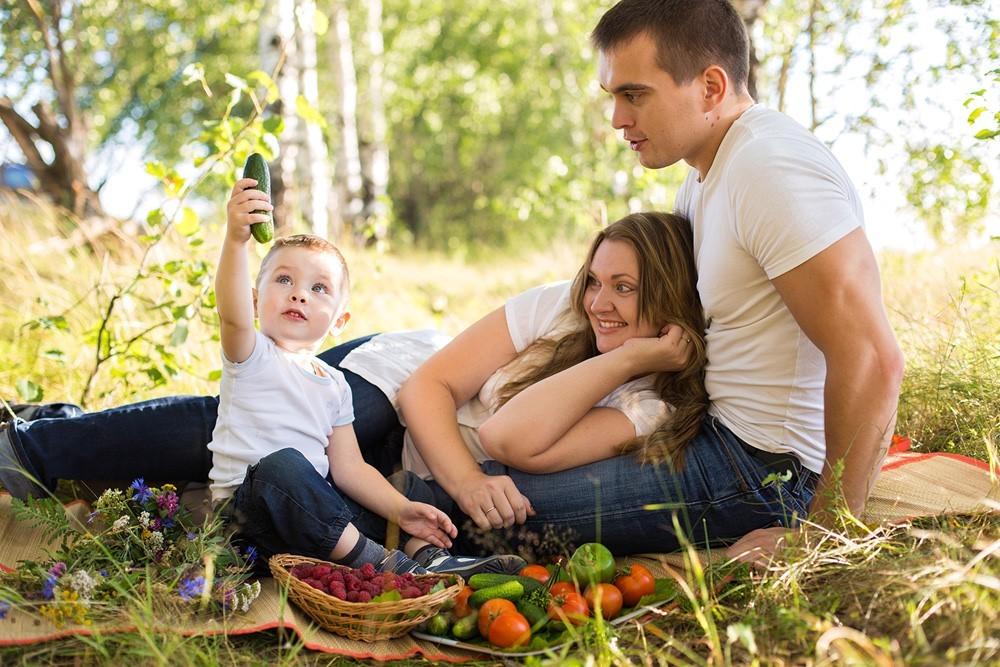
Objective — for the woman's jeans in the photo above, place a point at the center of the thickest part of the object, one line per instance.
(724, 490)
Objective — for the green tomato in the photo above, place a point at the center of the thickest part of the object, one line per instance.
(592, 563)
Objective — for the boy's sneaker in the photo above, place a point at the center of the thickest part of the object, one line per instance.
(440, 561)
(13, 476)
(398, 562)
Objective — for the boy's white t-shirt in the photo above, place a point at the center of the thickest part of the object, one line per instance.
(269, 402)
(389, 359)
(774, 197)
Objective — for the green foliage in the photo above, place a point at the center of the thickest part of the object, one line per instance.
(499, 106)
(129, 67)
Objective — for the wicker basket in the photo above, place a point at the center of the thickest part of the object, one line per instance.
(366, 621)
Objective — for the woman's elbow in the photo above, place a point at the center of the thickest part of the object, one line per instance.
(497, 444)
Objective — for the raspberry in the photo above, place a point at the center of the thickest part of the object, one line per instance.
(302, 571)
(321, 571)
(367, 570)
(364, 596)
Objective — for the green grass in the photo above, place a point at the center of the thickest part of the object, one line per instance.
(926, 593)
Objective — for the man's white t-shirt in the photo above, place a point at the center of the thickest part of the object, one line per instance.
(389, 359)
(774, 197)
(269, 402)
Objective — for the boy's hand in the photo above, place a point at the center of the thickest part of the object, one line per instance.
(240, 210)
(428, 523)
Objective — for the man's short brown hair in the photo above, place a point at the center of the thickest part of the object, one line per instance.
(690, 35)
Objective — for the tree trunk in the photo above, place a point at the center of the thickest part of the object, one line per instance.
(314, 166)
(65, 130)
(278, 34)
(375, 161)
(749, 11)
(348, 185)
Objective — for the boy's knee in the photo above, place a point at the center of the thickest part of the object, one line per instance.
(282, 463)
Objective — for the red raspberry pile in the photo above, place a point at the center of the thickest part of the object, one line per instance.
(360, 584)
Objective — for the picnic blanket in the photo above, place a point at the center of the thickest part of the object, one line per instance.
(911, 485)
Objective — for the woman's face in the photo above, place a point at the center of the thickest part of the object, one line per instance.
(611, 299)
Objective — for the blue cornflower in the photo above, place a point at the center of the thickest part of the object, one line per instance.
(103, 573)
(142, 492)
(48, 588)
(4, 608)
(251, 554)
(191, 535)
(190, 588)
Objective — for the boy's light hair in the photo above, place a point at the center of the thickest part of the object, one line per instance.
(310, 242)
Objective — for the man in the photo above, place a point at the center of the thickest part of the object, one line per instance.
(801, 357)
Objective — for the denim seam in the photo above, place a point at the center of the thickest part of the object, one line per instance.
(740, 477)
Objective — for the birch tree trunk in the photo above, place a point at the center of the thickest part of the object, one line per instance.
(375, 158)
(314, 161)
(348, 186)
(749, 11)
(278, 33)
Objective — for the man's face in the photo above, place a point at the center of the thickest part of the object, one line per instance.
(662, 121)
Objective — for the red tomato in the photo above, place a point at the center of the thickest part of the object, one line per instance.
(569, 608)
(490, 611)
(537, 572)
(635, 582)
(462, 608)
(610, 599)
(509, 629)
(561, 587)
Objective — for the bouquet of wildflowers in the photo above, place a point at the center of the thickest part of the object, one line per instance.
(139, 546)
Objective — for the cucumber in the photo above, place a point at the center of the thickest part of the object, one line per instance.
(256, 168)
(466, 627)
(438, 625)
(510, 590)
(531, 611)
(486, 580)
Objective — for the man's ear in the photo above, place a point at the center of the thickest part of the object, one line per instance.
(253, 291)
(715, 83)
(341, 322)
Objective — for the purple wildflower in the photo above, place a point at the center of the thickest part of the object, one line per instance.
(156, 524)
(58, 570)
(168, 503)
(142, 492)
(191, 535)
(92, 516)
(190, 588)
(4, 608)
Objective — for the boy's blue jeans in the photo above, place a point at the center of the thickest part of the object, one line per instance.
(724, 490)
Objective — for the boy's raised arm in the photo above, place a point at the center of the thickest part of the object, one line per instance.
(233, 297)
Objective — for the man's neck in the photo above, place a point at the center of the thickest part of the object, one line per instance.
(719, 123)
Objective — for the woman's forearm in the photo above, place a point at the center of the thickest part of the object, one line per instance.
(536, 418)
(429, 411)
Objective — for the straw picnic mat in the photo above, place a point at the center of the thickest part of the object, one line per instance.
(910, 485)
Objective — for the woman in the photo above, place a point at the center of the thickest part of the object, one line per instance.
(548, 454)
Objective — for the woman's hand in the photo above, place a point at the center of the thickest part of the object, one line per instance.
(427, 523)
(492, 501)
(240, 210)
(669, 352)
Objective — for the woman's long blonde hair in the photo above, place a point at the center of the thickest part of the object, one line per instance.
(668, 294)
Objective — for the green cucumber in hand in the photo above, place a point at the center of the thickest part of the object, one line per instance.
(256, 168)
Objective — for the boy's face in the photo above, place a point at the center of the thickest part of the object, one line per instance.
(300, 298)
